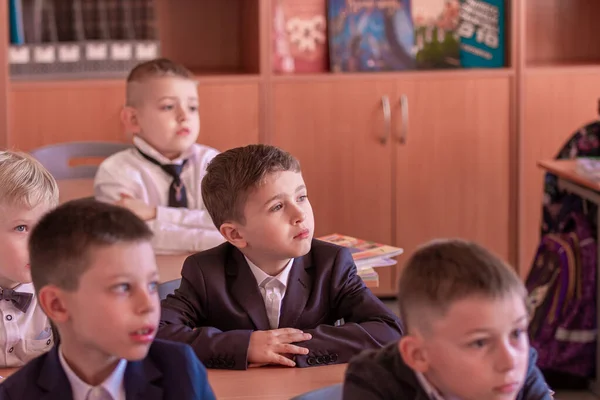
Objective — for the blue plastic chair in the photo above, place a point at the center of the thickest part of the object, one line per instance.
(333, 392)
(168, 288)
(56, 157)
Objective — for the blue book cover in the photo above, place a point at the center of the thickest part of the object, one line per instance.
(370, 35)
(15, 18)
(481, 33)
(437, 44)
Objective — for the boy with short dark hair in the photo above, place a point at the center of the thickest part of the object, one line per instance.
(272, 293)
(96, 278)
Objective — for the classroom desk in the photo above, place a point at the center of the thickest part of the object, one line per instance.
(570, 180)
(267, 383)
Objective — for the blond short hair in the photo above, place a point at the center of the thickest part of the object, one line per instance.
(25, 182)
(444, 271)
(157, 68)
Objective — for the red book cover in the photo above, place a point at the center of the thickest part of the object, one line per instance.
(299, 36)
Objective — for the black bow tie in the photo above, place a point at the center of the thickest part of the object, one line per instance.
(20, 300)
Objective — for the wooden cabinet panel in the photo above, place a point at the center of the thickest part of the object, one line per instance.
(452, 174)
(334, 129)
(555, 105)
(52, 112)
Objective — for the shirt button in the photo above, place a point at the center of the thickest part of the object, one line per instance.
(9, 317)
(11, 349)
(48, 342)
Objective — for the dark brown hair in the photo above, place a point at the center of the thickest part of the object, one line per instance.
(231, 175)
(157, 68)
(444, 271)
(61, 245)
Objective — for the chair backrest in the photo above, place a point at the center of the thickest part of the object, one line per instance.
(56, 157)
(168, 288)
(333, 392)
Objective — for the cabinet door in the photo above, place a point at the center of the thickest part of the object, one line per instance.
(556, 104)
(452, 172)
(229, 114)
(335, 128)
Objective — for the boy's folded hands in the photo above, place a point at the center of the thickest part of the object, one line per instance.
(275, 347)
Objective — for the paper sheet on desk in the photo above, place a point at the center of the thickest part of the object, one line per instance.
(374, 263)
(589, 167)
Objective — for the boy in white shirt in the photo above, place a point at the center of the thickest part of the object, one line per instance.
(159, 178)
(27, 192)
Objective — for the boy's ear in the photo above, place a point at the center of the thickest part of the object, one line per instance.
(52, 301)
(232, 234)
(129, 119)
(413, 353)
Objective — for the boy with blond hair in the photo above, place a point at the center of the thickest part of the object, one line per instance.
(272, 294)
(95, 275)
(27, 192)
(159, 178)
(466, 319)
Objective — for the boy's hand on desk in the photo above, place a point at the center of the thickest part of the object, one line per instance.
(274, 347)
(138, 207)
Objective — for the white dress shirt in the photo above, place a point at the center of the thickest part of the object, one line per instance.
(431, 391)
(272, 289)
(113, 387)
(24, 335)
(176, 230)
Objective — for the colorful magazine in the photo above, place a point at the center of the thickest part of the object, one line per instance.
(363, 249)
(370, 35)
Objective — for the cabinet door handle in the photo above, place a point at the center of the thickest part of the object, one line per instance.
(403, 136)
(387, 119)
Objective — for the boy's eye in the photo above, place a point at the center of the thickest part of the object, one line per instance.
(478, 344)
(303, 198)
(277, 207)
(193, 108)
(517, 333)
(122, 288)
(166, 107)
(153, 287)
(21, 228)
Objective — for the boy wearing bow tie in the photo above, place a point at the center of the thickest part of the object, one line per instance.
(27, 191)
(96, 278)
(159, 177)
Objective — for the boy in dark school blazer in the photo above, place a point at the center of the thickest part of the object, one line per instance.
(271, 294)
(466, 319)
(96, 278)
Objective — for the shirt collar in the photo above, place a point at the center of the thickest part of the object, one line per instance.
(113, 384)
(260, 275)
(148, 150)
(432, 393)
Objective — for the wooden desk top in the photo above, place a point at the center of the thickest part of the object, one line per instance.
(567, 169)
(264, 383)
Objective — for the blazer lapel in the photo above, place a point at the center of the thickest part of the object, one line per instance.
(52, 379)
(298, 290)
(142, 380)
(244, 290)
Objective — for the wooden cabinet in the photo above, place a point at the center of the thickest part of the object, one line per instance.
(334, 129)
(452, 173)
(555, 104)
(449, 179)
(51, 112)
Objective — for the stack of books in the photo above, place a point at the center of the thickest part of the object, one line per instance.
(366, 254)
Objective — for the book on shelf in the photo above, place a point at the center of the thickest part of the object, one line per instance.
(366, 254)
(437, 44)
(481, 33)
(370, 35)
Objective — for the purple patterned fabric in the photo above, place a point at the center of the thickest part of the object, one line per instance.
(562, 293)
